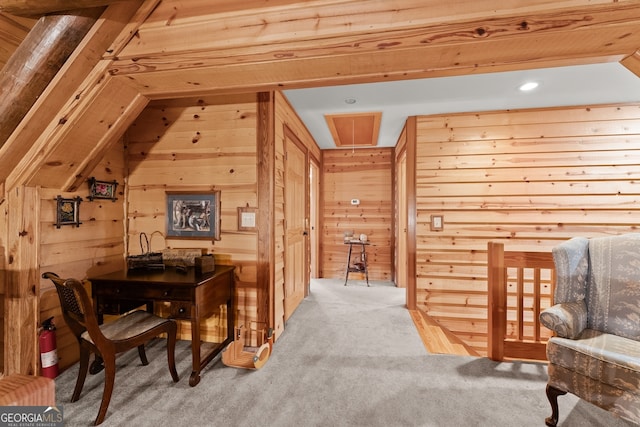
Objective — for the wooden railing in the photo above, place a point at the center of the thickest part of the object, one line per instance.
(521, 285)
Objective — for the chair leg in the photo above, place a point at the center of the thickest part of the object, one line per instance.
(143, 355)
(552, 395)
(82, 372)
(171, 351)
(109, 379)
(97, 365)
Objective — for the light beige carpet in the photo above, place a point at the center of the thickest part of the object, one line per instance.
(350, 356)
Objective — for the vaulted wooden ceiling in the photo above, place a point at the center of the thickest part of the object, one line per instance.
(150, 49)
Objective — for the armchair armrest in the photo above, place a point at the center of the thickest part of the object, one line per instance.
(567, 319)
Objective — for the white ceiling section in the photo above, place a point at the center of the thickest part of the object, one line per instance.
(564, 86)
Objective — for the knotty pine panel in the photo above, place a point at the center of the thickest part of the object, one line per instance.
(285, 117)
(365, 174)
(95, 247)
(528, 178)
(3, 257)
(201, 144)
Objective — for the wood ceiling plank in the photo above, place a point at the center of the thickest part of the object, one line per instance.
(67, 85)
(376, 23)
(131, 28)
(632, 62)
(544, 50)
(595, 34)
(12, 31)
(75, 146)
(194, 25)
(36, 62)
(84, 126)
(43, 7)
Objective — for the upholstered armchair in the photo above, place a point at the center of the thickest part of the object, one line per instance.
(595, 353)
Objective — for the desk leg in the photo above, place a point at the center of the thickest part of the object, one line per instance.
(194, 379)
(346, 278)
(365, 261)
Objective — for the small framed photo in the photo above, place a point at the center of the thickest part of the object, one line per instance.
(247, 218)
(193, 215)
(67, 211)
(437, 222)
(102, 189)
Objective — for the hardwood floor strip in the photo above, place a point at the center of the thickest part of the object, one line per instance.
(437, 339)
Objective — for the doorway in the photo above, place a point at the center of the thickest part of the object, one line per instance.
(314, 238)
(296, 268)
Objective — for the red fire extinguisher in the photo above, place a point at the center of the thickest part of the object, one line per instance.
(48, 349)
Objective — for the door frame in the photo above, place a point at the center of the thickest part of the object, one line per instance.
(289, 134)
(314, 218)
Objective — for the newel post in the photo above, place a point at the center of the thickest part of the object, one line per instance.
(497, 321)
(22, 282)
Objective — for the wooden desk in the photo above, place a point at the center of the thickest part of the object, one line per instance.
(192, 298)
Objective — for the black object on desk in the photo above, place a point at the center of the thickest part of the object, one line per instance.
(358, 267)
(192, 295)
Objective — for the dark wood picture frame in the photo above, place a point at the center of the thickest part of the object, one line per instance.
(102, 189)
(67, 211)
(193, 215)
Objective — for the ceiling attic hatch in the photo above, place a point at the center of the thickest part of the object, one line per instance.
(353, 130)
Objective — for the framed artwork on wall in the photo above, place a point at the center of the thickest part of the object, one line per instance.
(247, 218)
(193, 215)
(102, 189)
(67, 211)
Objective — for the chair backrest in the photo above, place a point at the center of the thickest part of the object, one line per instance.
(571, 259)
(77, 308)
(605, 273)
(613, 297)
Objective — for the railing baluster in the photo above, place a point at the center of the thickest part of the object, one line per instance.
(536, 304)
(520, 304)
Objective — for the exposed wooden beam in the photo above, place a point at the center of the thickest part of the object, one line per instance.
(36, 61)
(69, 88)
(95, 126)
(177, 55)
(68, 149)
(632, 62)
(44, 7)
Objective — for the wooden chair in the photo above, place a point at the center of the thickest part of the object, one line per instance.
(105, 341)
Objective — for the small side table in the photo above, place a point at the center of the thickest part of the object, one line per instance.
(357, 267)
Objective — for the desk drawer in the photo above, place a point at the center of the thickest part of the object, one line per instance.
(144, 293)
(180, 310)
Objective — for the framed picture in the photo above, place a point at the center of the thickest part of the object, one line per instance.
(193, 215)
(437, 223)
(247, 218)
(102, 189)
(67, 211)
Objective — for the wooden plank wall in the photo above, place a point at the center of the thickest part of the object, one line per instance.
(400, 209)
(197, 145)
(95, 247)
(529, 179)
(3, 226)
(365, 174)
(285, 116)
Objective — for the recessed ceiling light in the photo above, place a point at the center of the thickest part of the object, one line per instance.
(528, 86)
(350, 100)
